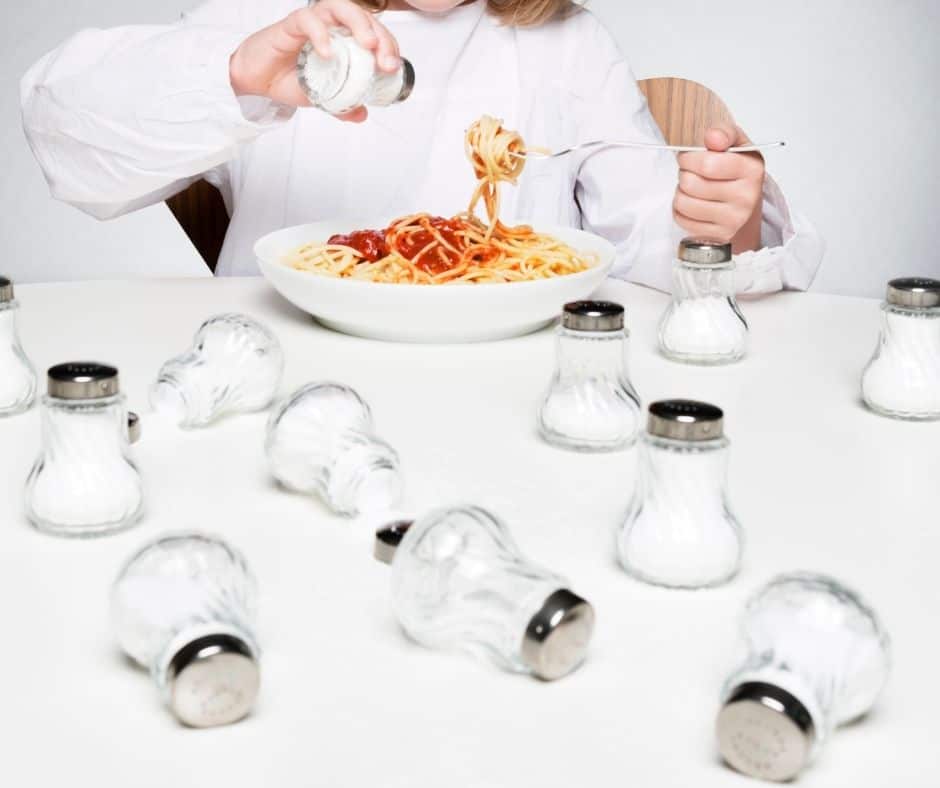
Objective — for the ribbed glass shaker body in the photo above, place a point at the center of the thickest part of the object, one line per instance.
(703, 324)
(321, 440)
(902, 380)
(460, 583)
(17, 375)
(184, 608)
(349, 78)
(591, 405)
(679, 530)
(818, 657)
(234, 366)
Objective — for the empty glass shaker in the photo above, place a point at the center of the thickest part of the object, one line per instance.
(903, 377)
(460, 583)
(84, 482)
(321, 440)
(818, 658)
(349, 78)
(234, 366)
(183, 607)
(17, 376)
(679, 530)
(703, 324)
(591, 404)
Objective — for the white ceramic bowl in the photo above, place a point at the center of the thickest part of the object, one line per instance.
(426, 313)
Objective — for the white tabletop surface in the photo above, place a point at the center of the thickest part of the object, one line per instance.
(817, 481)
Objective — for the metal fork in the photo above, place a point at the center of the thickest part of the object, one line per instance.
(541, 154)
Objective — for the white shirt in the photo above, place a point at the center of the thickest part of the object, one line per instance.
(123, 118)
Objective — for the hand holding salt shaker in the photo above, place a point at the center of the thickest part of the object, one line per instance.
(183, 607)
(459, 583)
(902, 380)
(17, 376)
(591, 404)
(84, 482)
(679, 530)
(234, 366)
(321, 440)
(703, 324)
(818, 657)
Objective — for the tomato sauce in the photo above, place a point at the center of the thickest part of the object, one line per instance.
(369, 243)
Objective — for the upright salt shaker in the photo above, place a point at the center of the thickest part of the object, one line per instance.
(679, 530)
(703, 324)
(591, 404)
(818, 657)
(84, 482)
(321, 440)
(17, 376)
(183, 607)
(349, 77)
(460, 583)
(902, 379)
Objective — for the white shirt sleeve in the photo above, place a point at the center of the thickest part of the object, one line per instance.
(123, 118)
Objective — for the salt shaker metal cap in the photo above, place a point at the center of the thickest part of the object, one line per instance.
(593, 316)
(6, 290)
(79, 380)
(685, 420)
(387, 539)
(557, 637)
(407, 80)
(213, 681)
(914, 292)
(701, 251)
(765, 732)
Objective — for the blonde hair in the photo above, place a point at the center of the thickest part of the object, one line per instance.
(519, 13)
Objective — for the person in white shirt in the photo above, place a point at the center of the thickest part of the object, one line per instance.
(124, 118)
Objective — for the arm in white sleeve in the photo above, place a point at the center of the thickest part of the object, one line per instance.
(123, 118)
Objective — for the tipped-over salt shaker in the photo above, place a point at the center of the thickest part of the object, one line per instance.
(17, 376)
(703, 324)
(84, 482)
(591, 404)
(902, 379)
(321, 440)
(459, 583)
(679, 530)
(349, 78)
(818, 658)
(234, 366)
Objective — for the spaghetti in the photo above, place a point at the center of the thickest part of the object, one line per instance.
(426, 249)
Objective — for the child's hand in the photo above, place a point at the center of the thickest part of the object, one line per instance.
(720, 194)
(265, 63)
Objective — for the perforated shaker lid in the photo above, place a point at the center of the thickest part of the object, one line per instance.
(914, 292)
(702, 251)
(387, 539)
(82, 380)
(593, 316)
(685, 420)
(6, 290)
(557, 637)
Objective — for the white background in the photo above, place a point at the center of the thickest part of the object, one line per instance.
(850, 84)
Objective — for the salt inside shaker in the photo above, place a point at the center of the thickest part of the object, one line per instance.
(679, 530)
(183, 607)
(818, 657)
(17, 376)
(902, 379)
(321, 440)
(591, 404)
(234, 366)
(84, 482)
(459, 583)
(349, 77)
(703, 324)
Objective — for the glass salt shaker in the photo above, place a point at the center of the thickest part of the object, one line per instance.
(349, 78)
(321, 440)
(679, 530)
(17, 376)
(183, 607)
(460, 583)
(902, 380)
(703, 324)
(818, 658)
(84, 482)
(591, 404)
(234, 366)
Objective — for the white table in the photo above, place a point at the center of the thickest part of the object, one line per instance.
(817, 481)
